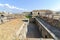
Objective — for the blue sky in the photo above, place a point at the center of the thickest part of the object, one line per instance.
(28, 5)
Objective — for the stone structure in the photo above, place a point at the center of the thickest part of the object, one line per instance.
(42, 30)
(45, 29)
(55, 33)
(56, 16)
(21, 33)
(41, 12)
(46, 13)
(3, 17)
(45, 34)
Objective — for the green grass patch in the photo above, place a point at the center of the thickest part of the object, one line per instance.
(28, 16)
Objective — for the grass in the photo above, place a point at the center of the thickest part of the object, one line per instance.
(28, 16)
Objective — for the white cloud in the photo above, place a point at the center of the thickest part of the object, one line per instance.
(1, 5)
(12, 7)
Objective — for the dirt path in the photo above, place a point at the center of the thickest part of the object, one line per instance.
(33, 31)
(8, 29)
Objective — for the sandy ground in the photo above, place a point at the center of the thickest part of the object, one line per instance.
(8, 29)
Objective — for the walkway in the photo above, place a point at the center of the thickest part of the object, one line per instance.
(8, 30)
(33, 31)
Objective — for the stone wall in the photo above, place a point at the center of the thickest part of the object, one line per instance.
(44, 32)
(21, 33)
(32, 20)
